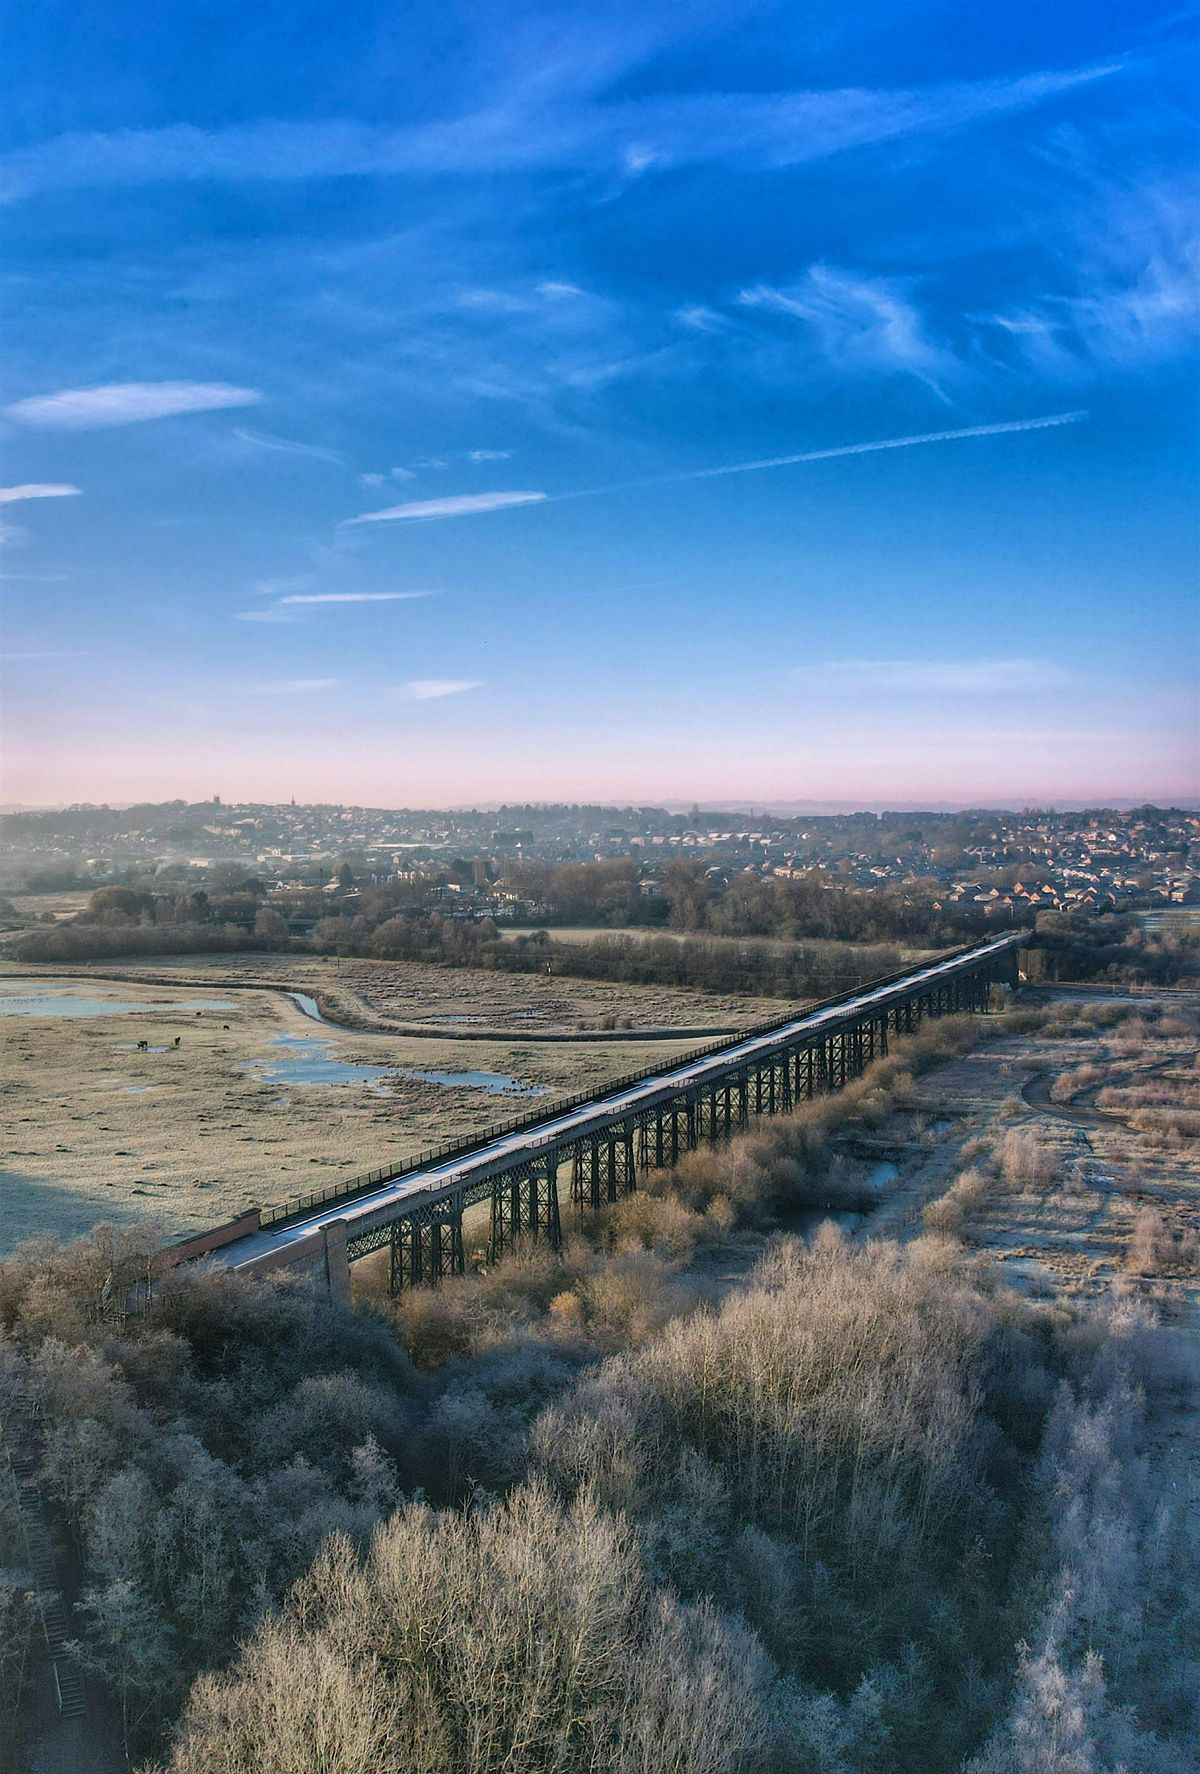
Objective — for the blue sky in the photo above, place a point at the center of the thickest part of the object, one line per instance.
(366, 368)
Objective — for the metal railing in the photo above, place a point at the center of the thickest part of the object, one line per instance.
(277, 1213)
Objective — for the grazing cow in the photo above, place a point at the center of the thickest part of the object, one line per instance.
(143, 1046)
(178, 1039)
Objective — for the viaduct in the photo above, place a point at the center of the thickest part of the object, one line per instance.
(601, 1139)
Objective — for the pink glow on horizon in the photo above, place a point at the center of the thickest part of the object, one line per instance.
(977, 768)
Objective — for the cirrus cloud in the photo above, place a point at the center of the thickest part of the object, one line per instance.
(36, 490)
(354, 597)
(456, 505)
(640, 135)
(127, 403)
(429, 689)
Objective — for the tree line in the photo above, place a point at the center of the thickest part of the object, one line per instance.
(765, 936)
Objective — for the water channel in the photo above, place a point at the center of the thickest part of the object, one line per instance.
(65, 1001)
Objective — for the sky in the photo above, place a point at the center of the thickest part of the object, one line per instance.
(418, 405)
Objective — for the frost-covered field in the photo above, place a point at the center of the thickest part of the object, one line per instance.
(98, 1129)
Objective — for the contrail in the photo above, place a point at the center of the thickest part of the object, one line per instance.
(860, 449)
(463, 504)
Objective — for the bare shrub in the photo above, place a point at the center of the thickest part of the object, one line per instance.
(433, 1324)
(835, 1398)
(1024, 1161)
(659, 1222)
(951, 1212)
(525, 1281)
(1133, 1034)
(633, 1295)
(1182, 1124)
(1080, 1078)
(1155, 1248)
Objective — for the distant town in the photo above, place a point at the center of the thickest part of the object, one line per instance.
(1002, 866)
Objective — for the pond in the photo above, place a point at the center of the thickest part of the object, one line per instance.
(307, 1004)
(64, 1001)
(307, 1059)
(881, 1173)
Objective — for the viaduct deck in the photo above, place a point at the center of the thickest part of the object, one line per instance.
(607, 1137)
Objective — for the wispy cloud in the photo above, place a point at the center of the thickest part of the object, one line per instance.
(295, 686)
(1127, 275)
(127, 403)
(701, 319)
(856, 323)
(488, 455)
(285, 446)
(355, 597)
(633, 136)
(429, 689)
(36, 490)
(917, 676)
(456, 505)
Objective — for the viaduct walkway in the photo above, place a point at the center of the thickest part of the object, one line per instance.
(604, 1138)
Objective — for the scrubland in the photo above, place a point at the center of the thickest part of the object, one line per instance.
(696, 1496)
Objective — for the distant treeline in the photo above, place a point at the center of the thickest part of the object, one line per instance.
(710, 944)
(69, 941)
(690, 899)
(1080, 946)
(710, 964)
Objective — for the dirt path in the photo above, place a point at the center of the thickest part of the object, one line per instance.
(1037, 1094)
(1080, 1111)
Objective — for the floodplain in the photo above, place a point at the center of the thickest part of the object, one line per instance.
(239, 1096)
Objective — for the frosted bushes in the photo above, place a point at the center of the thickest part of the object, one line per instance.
(1156, 1249)
(835, 1398)
(952, 1212)
(518, 1636)
(1111, 1682)
(1024, 1162)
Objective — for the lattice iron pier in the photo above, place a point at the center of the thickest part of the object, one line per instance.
(426, 1242)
